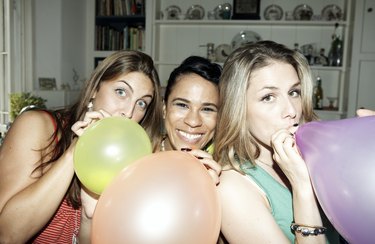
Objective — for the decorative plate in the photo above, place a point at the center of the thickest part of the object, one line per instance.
(303, 12)
(222, 52)
(195, 12)
(172, 12)
(332, 12)
(245, 37)
(273, 12)
(223, 11)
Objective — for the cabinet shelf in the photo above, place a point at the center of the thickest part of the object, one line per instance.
(129, 19)
(328, 68)
(174, 40)
(251, 22)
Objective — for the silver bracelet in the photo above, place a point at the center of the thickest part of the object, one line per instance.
(307, 230)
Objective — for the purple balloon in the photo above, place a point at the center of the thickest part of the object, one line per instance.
(340, 157)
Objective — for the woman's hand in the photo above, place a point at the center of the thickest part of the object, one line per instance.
(214, 169)
(365, 112)
(90, 117)
(288, 158)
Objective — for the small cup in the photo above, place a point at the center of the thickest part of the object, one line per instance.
(211, 15)
(181, 16)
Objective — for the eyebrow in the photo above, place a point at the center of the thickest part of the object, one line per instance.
(132, 90)
(188, 101)
(275, 88)
(126, 83)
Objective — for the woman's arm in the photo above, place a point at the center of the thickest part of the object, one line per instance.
(305, 207)
(27, 200)
(89, 201)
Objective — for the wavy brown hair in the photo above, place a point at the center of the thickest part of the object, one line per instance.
(117, 64)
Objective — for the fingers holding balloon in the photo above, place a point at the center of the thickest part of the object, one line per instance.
(214, 169)
(90, 117)
(94, 116)
(287, 156)
(79, 127)
(281, 142)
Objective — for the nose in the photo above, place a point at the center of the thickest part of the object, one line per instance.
(290, 109)
(128, 111)
(193, 118)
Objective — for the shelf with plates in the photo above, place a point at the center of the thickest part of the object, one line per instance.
(318, 23)
(175, 37)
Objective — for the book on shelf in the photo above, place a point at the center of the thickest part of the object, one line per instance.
(120, 7)
(110, 39)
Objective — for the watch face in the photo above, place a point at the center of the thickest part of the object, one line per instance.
(222, 52)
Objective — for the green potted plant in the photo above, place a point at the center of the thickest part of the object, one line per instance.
(19, 101)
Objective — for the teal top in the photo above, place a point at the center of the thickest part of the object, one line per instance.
(281, 202)
(278, 196)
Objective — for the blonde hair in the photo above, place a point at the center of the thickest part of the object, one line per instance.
(234, 144)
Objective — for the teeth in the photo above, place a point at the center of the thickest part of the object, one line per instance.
(190, 136)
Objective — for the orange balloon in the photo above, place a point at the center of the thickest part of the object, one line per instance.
(166, 197)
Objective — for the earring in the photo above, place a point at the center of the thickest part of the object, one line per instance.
(90, 106)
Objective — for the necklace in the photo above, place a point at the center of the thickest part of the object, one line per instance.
(162, 145)
(76, 229)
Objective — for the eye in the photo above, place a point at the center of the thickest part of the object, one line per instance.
(181, 105)
(268, 98)
(121, 92)
(142, 104)
(295, 93)
(209, 109)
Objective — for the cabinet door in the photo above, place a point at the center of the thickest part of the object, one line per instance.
(366, 86)
(362, 83)
(368, 27)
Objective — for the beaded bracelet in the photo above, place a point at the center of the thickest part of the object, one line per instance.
(307, 230)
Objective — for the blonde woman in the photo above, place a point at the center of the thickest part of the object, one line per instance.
(265, 93)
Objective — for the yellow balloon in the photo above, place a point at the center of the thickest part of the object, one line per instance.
(105, 148)
(210, 149)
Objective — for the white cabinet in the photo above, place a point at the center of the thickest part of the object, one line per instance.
(174, 40)
(362, 81)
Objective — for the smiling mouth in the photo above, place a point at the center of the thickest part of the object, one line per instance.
(192, 138)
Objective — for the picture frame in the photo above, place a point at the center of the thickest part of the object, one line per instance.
(97, 61)
(246, 9)
(47, 83)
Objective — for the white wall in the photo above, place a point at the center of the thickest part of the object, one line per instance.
(59, 31)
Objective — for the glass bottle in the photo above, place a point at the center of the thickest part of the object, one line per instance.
(335, 53)
(318, 94)
(210, 52)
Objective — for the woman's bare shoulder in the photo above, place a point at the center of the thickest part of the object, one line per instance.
(32, 125)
